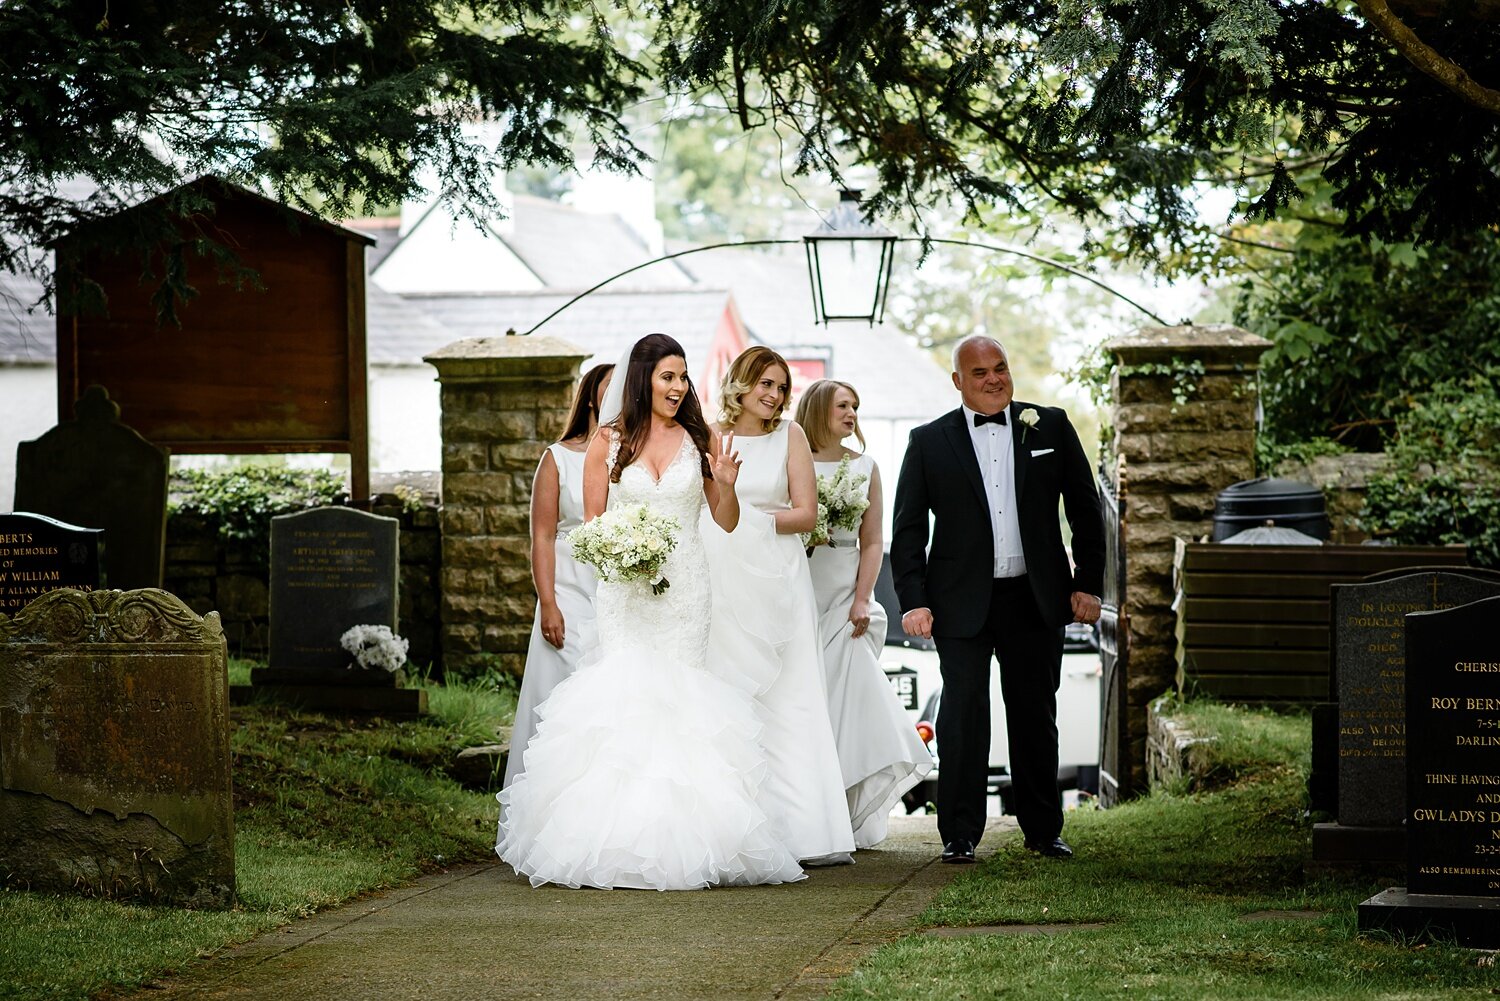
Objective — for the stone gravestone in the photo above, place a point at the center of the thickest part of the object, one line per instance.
(1452, 781)
(114, 748)
(95, 471)
(38, 555)
(332, 568)
(1369, 668)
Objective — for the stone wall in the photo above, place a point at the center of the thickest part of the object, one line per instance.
(1184, 426)
(211, 574)
(504, 399)
(1343, 480)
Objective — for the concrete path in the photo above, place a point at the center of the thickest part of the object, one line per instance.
(479, 932)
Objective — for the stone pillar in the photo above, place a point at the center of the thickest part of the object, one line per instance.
(504, 399)
(1184, 429)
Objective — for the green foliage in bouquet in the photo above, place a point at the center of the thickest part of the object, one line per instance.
(1443, 485)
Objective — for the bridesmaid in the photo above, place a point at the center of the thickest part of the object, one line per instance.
(764, 631)
(880, 753)
(564, 623)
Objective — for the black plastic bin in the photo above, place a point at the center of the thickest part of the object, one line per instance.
(1263, 501)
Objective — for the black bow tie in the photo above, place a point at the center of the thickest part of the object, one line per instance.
(980, 419)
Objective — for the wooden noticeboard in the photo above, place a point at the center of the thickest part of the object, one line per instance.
(250, 370)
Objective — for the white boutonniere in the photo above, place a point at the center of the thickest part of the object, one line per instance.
(1030, 418)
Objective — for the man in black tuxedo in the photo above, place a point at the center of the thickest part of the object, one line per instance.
(996, 580)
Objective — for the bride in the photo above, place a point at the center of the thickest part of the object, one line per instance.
(644, 769)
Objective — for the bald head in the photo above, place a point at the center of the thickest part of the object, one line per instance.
(971, 343)
(982, 374)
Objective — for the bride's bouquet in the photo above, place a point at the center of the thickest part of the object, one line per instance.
(627, 544)
(841, 504)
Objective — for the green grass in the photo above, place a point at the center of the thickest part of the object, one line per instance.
(325, 810)
(1172, 879)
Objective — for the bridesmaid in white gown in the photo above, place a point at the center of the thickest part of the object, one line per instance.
(879, 750)
(564, 624)
(765, 632)
(645, 769)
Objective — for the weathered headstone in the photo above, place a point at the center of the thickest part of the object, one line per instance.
(333, 568)
(1369, 667)
(114, 748)
(39, 554)
(1452, 781)
(95, 471)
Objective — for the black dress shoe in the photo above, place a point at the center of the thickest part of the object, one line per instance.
(958, 852)
(1056, 848)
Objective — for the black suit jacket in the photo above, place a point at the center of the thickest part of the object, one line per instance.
(953, 577)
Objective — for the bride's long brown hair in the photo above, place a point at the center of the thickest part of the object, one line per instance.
(634, 423)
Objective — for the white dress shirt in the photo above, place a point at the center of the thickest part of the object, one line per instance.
(994, 447)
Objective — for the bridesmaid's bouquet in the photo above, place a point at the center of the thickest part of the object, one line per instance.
(842, 501)
(626, 544)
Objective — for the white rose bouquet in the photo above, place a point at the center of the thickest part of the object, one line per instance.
(842, 502)
(627, 544)
(375, 647)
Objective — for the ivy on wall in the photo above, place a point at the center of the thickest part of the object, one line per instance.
(241, 502)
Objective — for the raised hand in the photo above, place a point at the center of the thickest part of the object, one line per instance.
(725, 463)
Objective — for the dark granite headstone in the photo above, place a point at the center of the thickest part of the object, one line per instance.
(1369, 667)
(39, 554)
(95, 471)
(114, 748)
(1452, 890)
(1453, 761)
(332, 568)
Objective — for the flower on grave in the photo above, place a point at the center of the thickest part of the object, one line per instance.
(1030, 418)
(375, 647)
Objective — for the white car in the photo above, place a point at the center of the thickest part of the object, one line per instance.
(911, 665)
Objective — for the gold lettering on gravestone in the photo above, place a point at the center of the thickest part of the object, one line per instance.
(332, 561)
(1485, 789)
(28, 570)
(1372, 722)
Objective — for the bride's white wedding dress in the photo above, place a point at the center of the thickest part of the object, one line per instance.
(644, 769)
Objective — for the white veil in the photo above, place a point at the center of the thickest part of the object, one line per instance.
(614, 396)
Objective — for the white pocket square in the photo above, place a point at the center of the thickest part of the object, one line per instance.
(1037, 452)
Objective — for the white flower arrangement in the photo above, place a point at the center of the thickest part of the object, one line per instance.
(627, 544)
(375, 647)
(842, 502)
(1030, 418)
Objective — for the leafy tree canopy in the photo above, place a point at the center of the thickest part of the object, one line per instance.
(1119, 111)
(329, 104)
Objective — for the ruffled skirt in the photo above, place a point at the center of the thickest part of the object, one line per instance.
(642, 774)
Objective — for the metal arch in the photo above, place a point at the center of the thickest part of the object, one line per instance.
(998, 248)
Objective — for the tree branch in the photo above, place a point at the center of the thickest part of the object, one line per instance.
(1427, 59)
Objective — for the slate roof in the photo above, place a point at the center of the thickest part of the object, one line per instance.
(895, 378)
(28, 332)
(604, 323)
(568, 249)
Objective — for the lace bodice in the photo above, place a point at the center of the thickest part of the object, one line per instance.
(675, 623)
